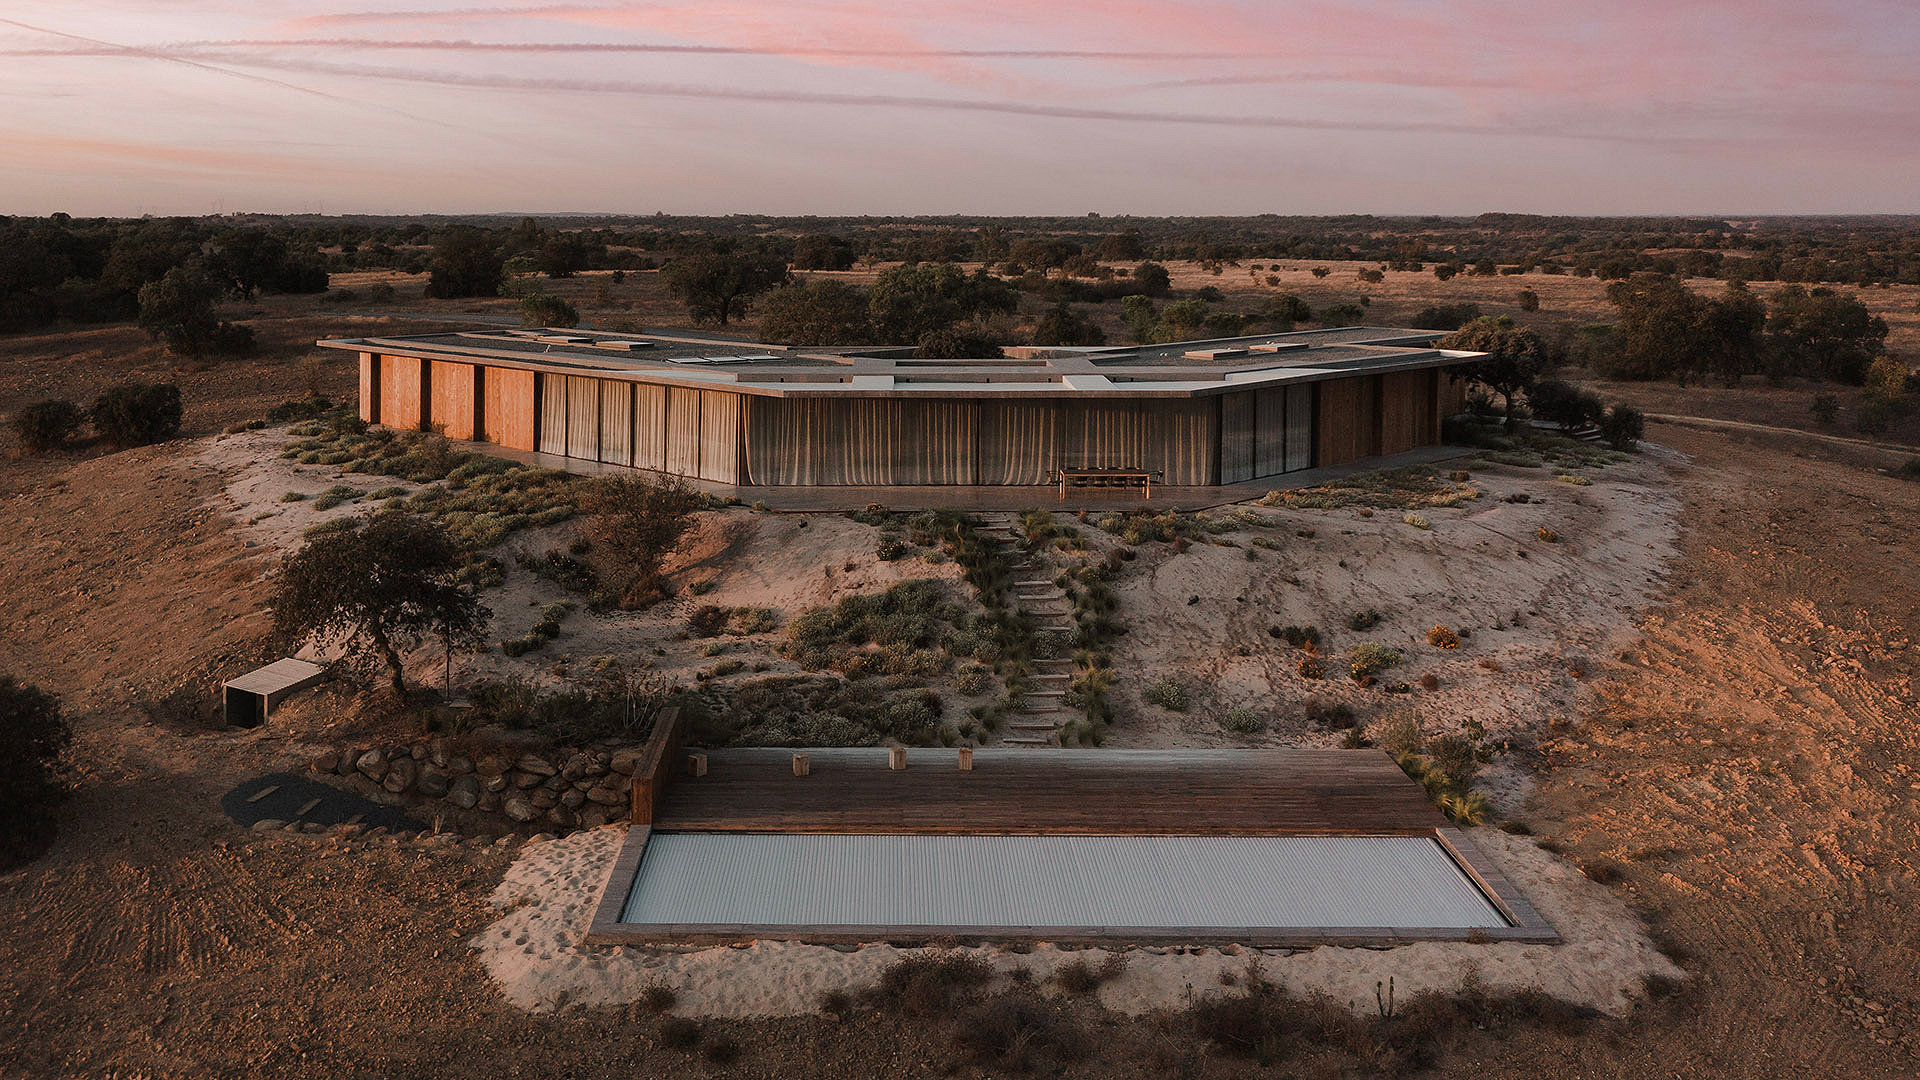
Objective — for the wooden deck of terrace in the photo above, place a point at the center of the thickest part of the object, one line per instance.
(1055, 792)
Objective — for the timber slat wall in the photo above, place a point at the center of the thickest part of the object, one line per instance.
(1110, 792)
(451, 399)
(508, 413)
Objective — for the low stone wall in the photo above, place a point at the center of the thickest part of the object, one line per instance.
(563, 789)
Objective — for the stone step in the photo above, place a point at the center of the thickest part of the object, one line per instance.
(1050, 674)
(1026, 740)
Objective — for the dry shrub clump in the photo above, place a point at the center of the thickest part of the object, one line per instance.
(1441, 637)
(1368, 659)
(1311, 667)
(635, 521)
(1547, 536)
(1411, 488)
(1267, 1023)
(1015, 1030)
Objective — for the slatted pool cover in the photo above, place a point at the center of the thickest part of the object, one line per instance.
(856, 882)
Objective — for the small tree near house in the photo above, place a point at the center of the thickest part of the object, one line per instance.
(381, 586)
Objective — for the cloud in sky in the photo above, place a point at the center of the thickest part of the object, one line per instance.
(899, 106)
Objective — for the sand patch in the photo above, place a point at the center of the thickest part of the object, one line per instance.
(548, 895)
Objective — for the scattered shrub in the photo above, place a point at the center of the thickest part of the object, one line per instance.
(931, 984)
(709, 620)
(33, 736)
(1576, 481)
(658, 997)
(1368, 658)
(634, 521)
(1243, 721)
(1547, 535)
(909, 618)
(1416, 521)
(1364, 620)
(889, 548)
(1623, 427)
(1440, 637)
(138, 414)
(46, 426)
(1429, 681)
(1300, 637)
(1167, 694)
(1825, 408)
(1312, 668)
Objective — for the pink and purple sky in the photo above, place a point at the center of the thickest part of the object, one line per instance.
(961, 106)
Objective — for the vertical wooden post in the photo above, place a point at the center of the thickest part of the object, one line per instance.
(696, 764)
(801, 765)
(966, 759)
(896, 758)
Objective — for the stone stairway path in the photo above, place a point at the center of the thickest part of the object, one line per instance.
(1038, 720)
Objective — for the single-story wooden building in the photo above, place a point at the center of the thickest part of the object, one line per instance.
(1191, 414)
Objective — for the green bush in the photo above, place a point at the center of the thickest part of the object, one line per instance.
(46, 426)
(138, 414)
(911, 616)
(1364, 620)
(1368, 658)
(1243, 721)
(33, 735)
(1623, 427)
(1167, 694)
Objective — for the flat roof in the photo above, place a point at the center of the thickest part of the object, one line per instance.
(1183, 369)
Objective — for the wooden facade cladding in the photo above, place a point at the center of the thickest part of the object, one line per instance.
(726, 436)
(402, 392)
(507, 416)
(370, 387)
(1409, 413)
(1346, 419)
(452, 402)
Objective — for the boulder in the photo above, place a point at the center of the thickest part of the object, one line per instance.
(459, 766)
(492, 765)
(519, 808)
(560, 815)
(607, 796)
(418, 751)
(464, 792)
(494, 783)
(347, 757)
(327, 762)
(372, 764)
(626, 760)
(544, 799)
(524, 780)
(268, 825)
(400, 775)
(438, 755)
(595, 768)
(534, 763)
(489, 801)
(433, 781)
(573, 798)
(593, 817)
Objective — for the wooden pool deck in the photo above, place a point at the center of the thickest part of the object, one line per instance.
(1057, 792)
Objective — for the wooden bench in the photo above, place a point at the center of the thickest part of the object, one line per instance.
(1107, 478)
